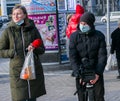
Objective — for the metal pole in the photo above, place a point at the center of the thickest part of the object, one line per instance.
(59, 47)
(108, 26)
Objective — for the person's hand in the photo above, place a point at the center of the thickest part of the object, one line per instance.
(30, 48)
(81, 82)
(95, 80)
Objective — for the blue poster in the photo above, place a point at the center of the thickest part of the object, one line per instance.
(37, 6)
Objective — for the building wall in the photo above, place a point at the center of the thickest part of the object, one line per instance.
(10, 4)
(96, 6)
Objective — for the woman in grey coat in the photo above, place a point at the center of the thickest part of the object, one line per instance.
(15, 42)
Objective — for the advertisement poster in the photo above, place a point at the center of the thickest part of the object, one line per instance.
(37, 6)
(62, 35)
(46, 24)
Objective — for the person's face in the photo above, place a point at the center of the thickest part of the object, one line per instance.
(18, 15)
(84, 27)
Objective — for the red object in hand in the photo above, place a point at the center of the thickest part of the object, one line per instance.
(37, 43)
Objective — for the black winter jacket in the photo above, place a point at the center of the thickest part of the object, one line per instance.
(89, 45)
(115, 46)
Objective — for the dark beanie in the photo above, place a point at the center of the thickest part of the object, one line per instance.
(89, 18)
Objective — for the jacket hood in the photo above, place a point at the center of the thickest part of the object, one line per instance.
(76, 18)
(79, 9)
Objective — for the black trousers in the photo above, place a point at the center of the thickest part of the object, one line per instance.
(98, 90)
(118, 63)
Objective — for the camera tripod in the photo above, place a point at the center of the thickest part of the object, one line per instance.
(89, 93)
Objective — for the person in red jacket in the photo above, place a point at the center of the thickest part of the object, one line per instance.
(74, 20)
(72, 24)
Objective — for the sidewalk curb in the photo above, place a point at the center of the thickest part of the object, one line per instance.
(57, 67)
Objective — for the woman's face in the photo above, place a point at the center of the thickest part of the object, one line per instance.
(18, 15)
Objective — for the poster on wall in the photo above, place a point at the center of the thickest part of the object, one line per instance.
(46, 24)
(37, 6)
(62, 36)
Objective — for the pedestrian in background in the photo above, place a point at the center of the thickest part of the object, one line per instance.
(72, 24)
(68, 18)
(115, 46)
(15, 42)
(88, 50)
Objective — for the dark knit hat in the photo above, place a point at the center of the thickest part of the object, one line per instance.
(89, 18)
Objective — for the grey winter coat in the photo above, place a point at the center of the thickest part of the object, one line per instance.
(13, 43)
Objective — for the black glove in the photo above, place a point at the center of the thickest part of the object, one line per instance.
(111, 51)
(75, 73)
